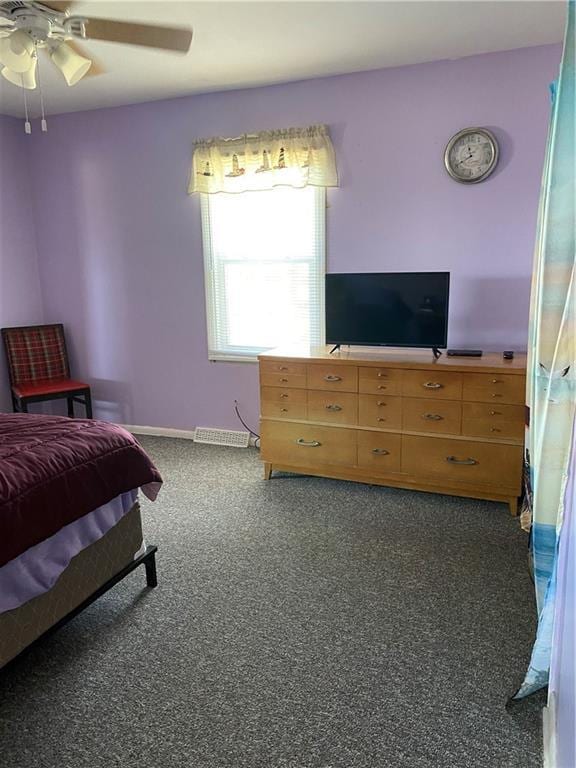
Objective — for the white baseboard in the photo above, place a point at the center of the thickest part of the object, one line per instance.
(183, 434)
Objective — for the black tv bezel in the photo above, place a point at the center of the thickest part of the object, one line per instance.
(337, 342)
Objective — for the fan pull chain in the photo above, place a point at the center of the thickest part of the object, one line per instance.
(43, 123)
(27, 124)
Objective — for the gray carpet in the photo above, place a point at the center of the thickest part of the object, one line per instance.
(301, 623)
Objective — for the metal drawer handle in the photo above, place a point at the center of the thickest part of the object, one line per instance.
(467, 462)
(381, 403)
(380, 418)
(331, 407)
(283, 394)
(308, 443)
(495, 429)
(496, 394)
(382, 375)
(382, 386)
(432, 385)
(432, 416)
(284, 381)
(332, 377)
(283, 410)
(380, 451)
(495, 413)
(282, 368)
(496, 381)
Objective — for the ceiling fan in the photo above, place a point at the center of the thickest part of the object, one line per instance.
(29, 26)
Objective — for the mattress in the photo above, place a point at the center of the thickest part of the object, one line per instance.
(38, 569)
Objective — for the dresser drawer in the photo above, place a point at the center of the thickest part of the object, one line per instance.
(494, 388)
(294, 380)
(438, 384)
(272, 410)
(379, 451)
(335, 407)
(282, 395)
(303, 445)
(379, 381)
(493, 420)
(283, 403)
(463, 461)
(380, 411)
(423, 415)
(335, 378)
(282, 366)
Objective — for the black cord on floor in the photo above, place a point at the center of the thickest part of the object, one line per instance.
(255, 434)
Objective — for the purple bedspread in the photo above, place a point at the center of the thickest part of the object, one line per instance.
(54, 470)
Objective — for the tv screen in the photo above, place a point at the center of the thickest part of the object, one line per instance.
(395, 309)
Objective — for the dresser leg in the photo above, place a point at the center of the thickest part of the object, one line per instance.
(513, 504)
(267, 470)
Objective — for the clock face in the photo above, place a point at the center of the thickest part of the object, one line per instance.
(471, 155)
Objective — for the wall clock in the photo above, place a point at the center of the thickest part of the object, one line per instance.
(471, 155)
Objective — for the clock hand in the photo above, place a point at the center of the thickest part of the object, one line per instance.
(464, 160)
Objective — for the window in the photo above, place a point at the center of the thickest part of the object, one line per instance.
(264, 265)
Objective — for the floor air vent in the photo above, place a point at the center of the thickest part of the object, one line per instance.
(222, 437)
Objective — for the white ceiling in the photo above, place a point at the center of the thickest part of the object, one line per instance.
(243, 44)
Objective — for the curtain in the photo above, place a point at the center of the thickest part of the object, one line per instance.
(562, 685)
(294, 157)
(551, 384)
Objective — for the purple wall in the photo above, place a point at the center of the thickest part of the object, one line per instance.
(121, 249)
(20, 296)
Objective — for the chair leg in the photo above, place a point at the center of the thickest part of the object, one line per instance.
(23, 406)
(88, 403)
(70, 407)
(15, 405)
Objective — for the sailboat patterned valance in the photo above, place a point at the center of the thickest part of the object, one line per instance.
(295, 157)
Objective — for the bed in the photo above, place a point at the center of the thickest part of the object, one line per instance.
(70, 525)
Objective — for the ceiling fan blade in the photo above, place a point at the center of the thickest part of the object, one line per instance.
(148, 35)
(97, 67)
(58, 5)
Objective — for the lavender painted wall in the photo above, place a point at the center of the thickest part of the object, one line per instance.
(20, 295)
(121, 250)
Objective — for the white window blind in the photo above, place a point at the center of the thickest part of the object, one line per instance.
(264, 261)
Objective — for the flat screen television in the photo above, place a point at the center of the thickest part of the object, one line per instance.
(392, 309)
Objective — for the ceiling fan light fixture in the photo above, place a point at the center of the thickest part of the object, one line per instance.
(72, 65)
(25, 80)
(17, 51)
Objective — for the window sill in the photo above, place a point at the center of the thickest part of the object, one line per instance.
(232, 359)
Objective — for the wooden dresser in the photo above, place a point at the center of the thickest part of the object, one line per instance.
(452, 425)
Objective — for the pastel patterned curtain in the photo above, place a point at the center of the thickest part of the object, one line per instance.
(551, 389)
(294, 157)
(562, 684)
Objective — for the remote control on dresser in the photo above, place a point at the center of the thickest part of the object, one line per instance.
(464, 353)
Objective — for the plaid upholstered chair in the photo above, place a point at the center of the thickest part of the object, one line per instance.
(39, 370)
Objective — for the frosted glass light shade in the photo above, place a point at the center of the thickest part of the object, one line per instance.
(16, 51)
(22, 79)
(72, 65)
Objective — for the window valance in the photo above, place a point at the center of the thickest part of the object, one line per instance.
(295, 157)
